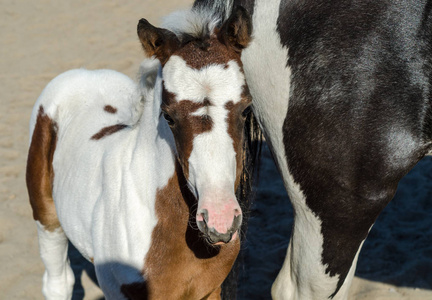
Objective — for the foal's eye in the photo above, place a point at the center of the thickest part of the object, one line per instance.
(246, 111)
(168, 118)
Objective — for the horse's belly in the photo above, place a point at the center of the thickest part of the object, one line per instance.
(77, 186)
(74, 206)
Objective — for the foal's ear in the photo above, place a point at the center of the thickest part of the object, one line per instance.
(157, 41)
(236, 31)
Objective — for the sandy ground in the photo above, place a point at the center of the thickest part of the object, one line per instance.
(40, 39)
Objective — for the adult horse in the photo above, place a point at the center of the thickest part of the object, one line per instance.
(341, 90)
(143, 182)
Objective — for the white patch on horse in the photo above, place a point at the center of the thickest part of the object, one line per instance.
(200, 112)
(344, 289)
(219, 83)
(305, 249)
(220, 162)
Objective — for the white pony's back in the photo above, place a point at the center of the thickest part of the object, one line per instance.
(83, 94)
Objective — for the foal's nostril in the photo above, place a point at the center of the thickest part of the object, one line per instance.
(202, 219)
(236, 223)
(204, 215)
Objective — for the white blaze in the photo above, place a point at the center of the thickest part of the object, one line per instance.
(212, 163)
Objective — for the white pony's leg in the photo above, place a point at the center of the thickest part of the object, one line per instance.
(58, 279)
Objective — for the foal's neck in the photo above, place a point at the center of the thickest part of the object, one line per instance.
(153, 155)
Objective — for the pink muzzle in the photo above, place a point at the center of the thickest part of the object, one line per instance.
(219, 220)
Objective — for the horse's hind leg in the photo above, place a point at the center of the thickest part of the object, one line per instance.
(337, 193)
(324, 246)
(58, 278)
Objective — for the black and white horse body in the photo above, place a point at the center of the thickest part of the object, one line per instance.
(342, 92)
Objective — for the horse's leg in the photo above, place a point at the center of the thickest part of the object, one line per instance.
(58, 278)
(331, 223)
(338, 188)
(309, 272)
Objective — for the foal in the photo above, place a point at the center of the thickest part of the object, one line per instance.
(143, 182)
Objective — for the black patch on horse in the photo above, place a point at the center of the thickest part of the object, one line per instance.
(359, 110)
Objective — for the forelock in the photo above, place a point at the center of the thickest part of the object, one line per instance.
(194, 23)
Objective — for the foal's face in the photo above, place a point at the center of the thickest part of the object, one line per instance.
(205, 105)
(205, 101)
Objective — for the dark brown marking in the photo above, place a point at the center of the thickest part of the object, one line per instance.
(108, 131)
(216, 54)
(222, 45)
(180, 264)
(206, 102)
(110, 109)
(40, 173)
(236, 123)
(167, 98)
(186, 126)
(157, 41)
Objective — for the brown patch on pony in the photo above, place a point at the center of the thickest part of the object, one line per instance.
(180, 264)
(236, 123)
(167, 98)
(186, 126)
(110, 109)
(216, 53)
(40, 173)
(157, 41)
(221, 46)
(108, 131)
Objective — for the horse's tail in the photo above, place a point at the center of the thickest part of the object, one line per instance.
(251, 154)
(43, 140)
(39, 173)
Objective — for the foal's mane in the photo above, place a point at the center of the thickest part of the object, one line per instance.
(192, 24)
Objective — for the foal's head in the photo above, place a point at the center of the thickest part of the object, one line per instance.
(205, 100)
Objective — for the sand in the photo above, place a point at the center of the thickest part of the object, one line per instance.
(41, 39)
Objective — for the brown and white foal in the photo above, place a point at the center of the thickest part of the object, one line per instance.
(142, 180)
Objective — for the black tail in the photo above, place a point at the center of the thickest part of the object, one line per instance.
(251, 154)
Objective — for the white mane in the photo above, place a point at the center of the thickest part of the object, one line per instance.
(194, 22)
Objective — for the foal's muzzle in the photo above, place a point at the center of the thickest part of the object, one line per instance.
(211, 234)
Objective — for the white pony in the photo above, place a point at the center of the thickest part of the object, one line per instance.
(143, 181)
